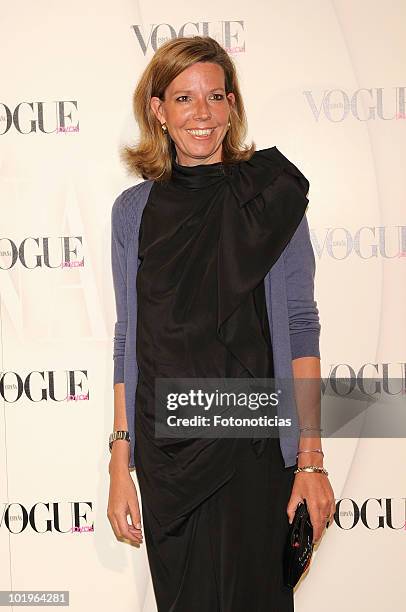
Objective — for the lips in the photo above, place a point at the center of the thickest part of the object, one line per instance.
(201, 133)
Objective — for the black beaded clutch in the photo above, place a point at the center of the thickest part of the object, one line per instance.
(299, 546)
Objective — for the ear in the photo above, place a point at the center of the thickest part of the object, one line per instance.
(156, 106)
(231, 99)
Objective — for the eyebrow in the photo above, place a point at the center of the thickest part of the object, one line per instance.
(190, 91)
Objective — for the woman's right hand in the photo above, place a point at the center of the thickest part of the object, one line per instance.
(123, 500)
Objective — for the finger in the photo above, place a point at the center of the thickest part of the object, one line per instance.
(115, 527)
(124, 529)
(135, 518)
(135, 525)
(330, 512)
(318, 528)
(317, 521)
(136, 534)
(317, 534)
(292, 506)
(136, 530)
(118, 531)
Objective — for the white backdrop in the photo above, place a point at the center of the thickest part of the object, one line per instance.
(324, 82)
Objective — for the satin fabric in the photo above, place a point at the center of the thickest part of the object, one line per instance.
(227, 557)
(214, 510)
(208, 236)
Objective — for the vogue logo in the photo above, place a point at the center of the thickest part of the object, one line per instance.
(367, 242)
(230, 34)
(37, 386)
(372, 378)
(373, 513)
(363, 104)
(47, 252)
(61, 517)
(46, 117)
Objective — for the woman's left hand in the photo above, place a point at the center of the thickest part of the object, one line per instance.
(316, 489)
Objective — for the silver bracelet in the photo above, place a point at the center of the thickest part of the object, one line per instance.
(118, 435)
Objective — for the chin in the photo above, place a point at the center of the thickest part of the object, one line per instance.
(204, 150)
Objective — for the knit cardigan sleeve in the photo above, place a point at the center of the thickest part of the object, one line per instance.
(119, 272)
(304, 323)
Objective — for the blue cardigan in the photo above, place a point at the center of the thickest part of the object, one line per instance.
(289, 291)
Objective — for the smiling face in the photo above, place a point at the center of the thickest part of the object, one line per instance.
(196, 111)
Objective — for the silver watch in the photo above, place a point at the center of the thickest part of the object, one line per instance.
(118, 435)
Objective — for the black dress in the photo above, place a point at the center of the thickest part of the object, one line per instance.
(214, 510)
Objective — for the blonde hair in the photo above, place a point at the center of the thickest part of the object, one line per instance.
(151, 158)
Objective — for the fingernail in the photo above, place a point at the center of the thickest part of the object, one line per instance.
(138, 525)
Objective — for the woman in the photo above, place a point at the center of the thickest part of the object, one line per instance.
(193, 249)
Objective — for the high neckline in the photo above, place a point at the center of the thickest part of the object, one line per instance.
(246, 179)
(200, 176)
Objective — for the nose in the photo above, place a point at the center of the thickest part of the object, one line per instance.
(202, 110)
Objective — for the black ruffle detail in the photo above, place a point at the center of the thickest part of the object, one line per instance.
(271, 194)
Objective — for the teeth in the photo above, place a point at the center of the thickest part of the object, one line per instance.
(200, 132)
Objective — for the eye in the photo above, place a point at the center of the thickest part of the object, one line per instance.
(217, 96)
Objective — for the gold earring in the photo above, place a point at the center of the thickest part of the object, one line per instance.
(229, 124)
(164, 128)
